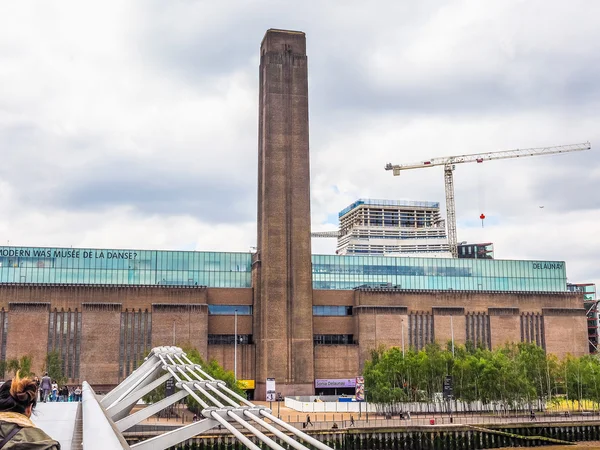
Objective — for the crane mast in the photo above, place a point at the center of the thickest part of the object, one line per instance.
(451, 210)
(449, 162)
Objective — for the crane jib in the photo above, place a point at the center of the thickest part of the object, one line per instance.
(449, 161)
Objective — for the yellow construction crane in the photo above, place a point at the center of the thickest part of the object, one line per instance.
(450, 161)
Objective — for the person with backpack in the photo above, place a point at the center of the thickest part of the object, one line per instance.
(18, 398)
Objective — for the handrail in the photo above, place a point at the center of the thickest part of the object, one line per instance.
(99, 432)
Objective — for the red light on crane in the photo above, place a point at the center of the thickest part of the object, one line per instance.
(482, 216)
(479, 160)
(427, 163)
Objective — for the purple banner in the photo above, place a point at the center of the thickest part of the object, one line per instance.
(340, 383)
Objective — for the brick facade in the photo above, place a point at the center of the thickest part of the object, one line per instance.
(379, 317)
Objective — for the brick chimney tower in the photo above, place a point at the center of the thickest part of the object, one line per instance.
(282, 270)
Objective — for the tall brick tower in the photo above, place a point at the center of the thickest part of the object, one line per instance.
(281, 275)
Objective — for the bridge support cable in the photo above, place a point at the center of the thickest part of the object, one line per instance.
(284, 437)
(305, 437)
(243, 439)
(185, 360)
(146, 367)
(267, 440)
(121, 409)
(220, 407)
(145, 377)
(147, 412)
(223, 396)
(187, 389)
(281, 423)
(197, 367)
(174, 437)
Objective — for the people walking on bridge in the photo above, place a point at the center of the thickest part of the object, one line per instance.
(308, 422)
(64, 394)
(54, 391)
(46, 386)
(77, 393)
(351, 420)
(18, 398)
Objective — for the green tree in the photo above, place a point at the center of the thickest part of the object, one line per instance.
(54, 367)
(21, 365)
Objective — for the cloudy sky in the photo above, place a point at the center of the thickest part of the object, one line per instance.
(133, 124)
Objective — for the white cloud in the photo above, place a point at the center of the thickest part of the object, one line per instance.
(96, 100)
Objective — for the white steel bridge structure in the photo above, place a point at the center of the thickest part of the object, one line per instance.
(106, 418)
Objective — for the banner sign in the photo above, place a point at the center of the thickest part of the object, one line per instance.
(359, 389)
(448, 387)
(336, 383)
(169, 387)
(271, 391)
(246, 384)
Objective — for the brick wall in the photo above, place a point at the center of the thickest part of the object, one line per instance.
(565, 331)
(28, 333)
(99, 360)
(245, 359)
(180, 325)
(336, 361)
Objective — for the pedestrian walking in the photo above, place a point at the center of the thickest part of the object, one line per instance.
(77, 393)
(351, 420)
(308, 422)
(54, 391)
(46, 386)
(64, 394)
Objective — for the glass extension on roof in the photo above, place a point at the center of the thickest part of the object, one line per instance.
(124, 267)
(349, 272)
(219, 269)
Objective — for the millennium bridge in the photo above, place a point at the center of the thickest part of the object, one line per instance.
(98, 422)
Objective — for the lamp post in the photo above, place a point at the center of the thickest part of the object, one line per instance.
(235, 345)
(452, 334)
(402, 330)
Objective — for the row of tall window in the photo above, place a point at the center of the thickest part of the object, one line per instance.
(478, 329)
(64, 337)
(135, 340)
(420, 330)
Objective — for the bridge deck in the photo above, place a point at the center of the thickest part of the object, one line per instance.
(58, 420)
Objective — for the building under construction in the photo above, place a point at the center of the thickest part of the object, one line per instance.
(385, 227)
(305, 320)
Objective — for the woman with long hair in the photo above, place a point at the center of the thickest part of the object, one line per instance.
(18, 398)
